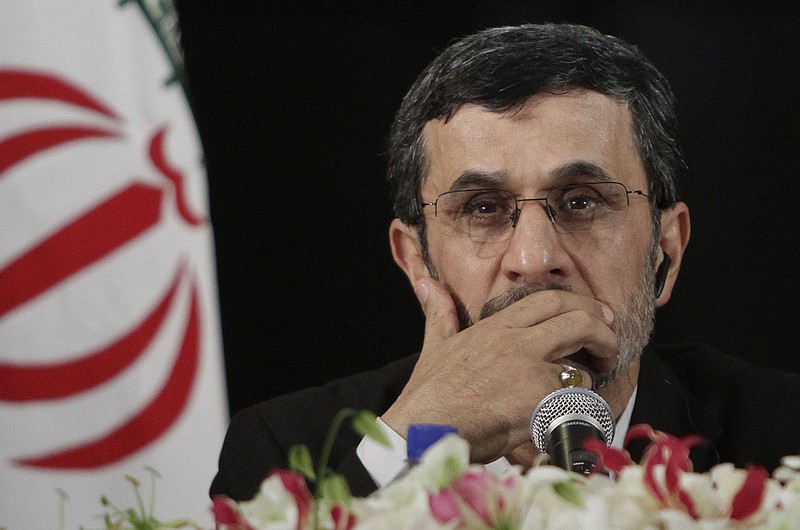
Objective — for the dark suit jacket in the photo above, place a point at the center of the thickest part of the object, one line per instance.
(747, 415)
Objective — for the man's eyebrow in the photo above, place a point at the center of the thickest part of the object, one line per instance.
(580, 170)
(565, 174)
(473, 178)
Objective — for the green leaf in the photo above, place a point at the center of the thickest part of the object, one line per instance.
(131, 514)
(334, 490)
(451, 469)
(505, 523)
(180, 523)
(364, 424)
(567, 491)
(300, 461)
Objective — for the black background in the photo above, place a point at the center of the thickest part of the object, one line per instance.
(294, 100)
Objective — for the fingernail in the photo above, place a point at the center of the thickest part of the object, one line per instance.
(423, 290)
(607, 313)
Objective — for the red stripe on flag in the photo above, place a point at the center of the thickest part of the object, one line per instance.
(17, 148)
(19, 84)
(87, 239)
(52, 381)
(146, 426)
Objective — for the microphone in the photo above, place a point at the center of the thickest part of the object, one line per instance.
(564, 420)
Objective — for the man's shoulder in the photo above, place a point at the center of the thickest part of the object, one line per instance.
(739, 407)
(260, 436)
(706, 370)
(372, 390)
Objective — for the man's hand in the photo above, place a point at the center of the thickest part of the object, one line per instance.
(487, 379)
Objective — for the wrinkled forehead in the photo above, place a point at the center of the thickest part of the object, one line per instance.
(530, 146)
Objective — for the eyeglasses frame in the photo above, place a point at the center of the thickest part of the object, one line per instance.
(548, 209)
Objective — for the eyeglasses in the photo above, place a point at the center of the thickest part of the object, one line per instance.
(488, 215)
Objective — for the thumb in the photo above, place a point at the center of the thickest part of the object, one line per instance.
(441, 317)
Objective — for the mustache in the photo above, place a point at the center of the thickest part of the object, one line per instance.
(515, 294)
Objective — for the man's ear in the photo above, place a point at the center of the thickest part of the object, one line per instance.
(407, 251)
(673, 239)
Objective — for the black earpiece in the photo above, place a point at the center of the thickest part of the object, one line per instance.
(661, 274)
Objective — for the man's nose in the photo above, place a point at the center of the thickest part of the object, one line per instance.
(535, 251)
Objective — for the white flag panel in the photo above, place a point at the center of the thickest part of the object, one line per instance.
(110, 350)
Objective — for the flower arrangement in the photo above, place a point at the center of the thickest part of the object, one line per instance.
(445, 492)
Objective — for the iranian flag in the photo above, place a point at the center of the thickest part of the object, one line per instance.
(110, 350)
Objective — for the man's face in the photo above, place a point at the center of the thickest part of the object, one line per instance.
(529, 153)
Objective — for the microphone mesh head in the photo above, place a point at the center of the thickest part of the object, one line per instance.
(570, 401)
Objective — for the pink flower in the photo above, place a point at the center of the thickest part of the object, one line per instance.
(474, 494)
(444, 506)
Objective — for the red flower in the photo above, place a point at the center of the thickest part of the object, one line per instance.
(609, 458)
(296, 485)
(343, 519)
(226, 514)
(751, 494)
(672, 453)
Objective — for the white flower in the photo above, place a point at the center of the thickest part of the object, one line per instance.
(273, 507)
(445, 492)
(405, 503)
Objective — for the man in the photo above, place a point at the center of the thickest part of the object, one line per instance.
(534, 176)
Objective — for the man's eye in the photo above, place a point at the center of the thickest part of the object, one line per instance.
(582, 202)
(482, 208)
(485, 205)
(581, 199)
